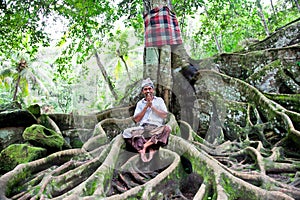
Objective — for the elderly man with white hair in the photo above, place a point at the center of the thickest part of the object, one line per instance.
(150, 114)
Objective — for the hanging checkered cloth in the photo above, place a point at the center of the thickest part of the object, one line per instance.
(161, 27)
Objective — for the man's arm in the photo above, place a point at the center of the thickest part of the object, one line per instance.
(138, 117)
(161, 110)
(160, 113)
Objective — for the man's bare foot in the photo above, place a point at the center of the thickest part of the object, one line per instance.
(142, 152)
(151, 153)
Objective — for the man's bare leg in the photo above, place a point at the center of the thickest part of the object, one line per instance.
(143, 151)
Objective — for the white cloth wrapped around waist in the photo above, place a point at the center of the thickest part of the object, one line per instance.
(152, 122)
(139, 130)
(129, 132)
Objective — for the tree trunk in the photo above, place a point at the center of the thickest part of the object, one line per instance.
(214, 33)
(254, 134)
(21, 66)
(262, 17)
(105, 76)
(273, 9)
(158, 60)
(126, 67)
(16, 88)
(297, 4)
(217, 43)
(102, 69)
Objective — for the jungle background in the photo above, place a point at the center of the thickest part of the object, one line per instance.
(235, 124)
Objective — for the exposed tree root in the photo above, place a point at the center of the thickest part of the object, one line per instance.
(272, 111)
(253, 165)
(219, 174)
(218, 179)
(24, 171)
(147, 188)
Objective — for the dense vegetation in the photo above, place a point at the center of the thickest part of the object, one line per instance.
(235, 125)
(62, 44)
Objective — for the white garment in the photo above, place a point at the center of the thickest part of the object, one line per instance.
(150, 116)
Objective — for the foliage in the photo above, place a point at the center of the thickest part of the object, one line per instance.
(91, 26)
(88, 24)
(235, 22)
(120, 44)
(20, 19)
(30, 79)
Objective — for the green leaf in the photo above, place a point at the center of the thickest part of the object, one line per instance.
(118, 69)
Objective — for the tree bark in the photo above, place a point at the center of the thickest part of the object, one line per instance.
(126, 67)
(16, 87)
(158, 60)
(21, 65)
(297, 4)
(273, 9)
(214, 33)
(157, 65)
(102, 69)
(105, 76)
(262, 17)
(121, 56)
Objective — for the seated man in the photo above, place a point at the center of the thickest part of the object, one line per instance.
(151, 134)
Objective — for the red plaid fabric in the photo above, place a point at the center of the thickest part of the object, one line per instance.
(161, 27)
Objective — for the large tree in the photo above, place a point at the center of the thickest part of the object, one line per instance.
(242, 141)
(164, 48)
(246, 146)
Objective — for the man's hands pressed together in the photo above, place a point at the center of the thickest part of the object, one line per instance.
(149, 99)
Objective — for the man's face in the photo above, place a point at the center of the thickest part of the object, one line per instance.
(148, 91)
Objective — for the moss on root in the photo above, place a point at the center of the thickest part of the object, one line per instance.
(289, 101)
(16, 154)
